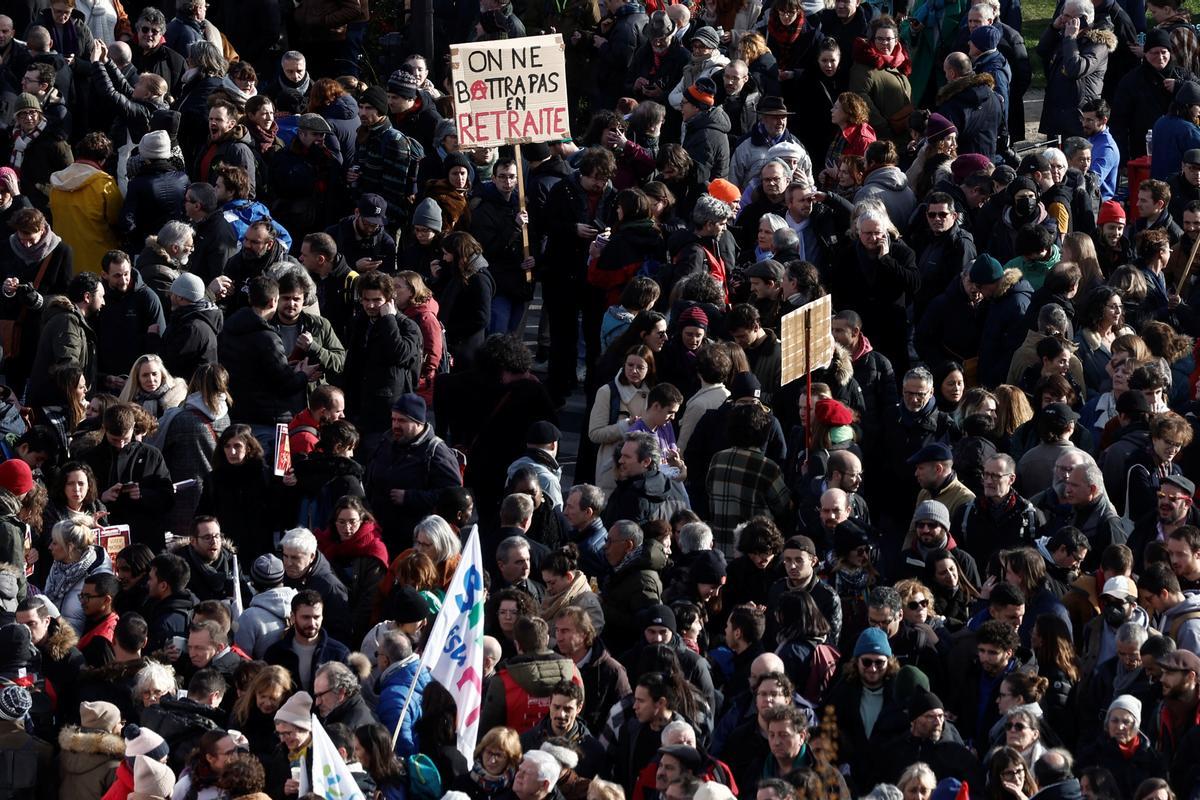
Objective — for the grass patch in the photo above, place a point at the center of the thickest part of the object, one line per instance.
(1036, 17)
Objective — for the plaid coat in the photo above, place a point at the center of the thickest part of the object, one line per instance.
(743, 482)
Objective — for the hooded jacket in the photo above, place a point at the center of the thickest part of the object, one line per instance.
(235, 149)
(167, 618)
(707, 142)
(518, 696)
(1075, 70)
(88, 760)
(976, 108)
(395, 684)
(189, 340)
(264, 621)
(67, 339)
(1003, 327)
(85, 203)
(890, 185)
(633, 586)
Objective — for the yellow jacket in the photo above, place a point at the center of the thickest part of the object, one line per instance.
(85, 204)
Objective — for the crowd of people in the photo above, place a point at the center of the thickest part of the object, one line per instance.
(266, 371)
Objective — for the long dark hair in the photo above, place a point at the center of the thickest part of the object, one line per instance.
(380, 762)
(435, 728)
(643, 323)
(60, 484)
(799, 617)
(201, 771)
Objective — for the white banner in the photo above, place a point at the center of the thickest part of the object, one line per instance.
(330, 777)
(454, 649)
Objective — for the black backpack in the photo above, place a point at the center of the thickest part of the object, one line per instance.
(19, 772)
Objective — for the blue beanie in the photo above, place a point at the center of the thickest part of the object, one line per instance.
(872, 641)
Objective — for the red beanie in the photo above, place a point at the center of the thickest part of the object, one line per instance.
(1110, 211)
(15, 476)
(831, 412)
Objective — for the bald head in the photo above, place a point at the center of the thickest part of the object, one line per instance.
(120, 54)
(956, 65)
(491, 653)
(767, 662)
(834, 508)
(844, 471)
(7, 32)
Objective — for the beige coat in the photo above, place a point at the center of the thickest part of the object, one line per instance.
(87, 762)
(709, 397)
(609, 436)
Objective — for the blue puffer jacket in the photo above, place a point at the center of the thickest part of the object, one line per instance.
(342, 116)
(394, 686)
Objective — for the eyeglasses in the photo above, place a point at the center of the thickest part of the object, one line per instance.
(319, 695)
(937, 214)
(209, 538)
(84, 597)
(1016, 726)
(1014, 774)
(149, 30)
(915, 605)
(995, 476)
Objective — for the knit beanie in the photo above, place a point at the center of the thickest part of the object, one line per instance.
(152, 778)
(297, 711)
(921, 701)
(141, 741)
(693, 317)
(155, 145)
(99, 716)
(1126, 702)
(932, 510)
(702, 93)
(872, 641)
(15, 702)
(376, 98)
(16, 476)
(428, 214)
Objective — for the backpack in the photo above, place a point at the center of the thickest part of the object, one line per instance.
(19, 771)
(424, 780)
(447, 361)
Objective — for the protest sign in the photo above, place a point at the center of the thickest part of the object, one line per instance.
(113, 539)
(511, 91)
(283, 451)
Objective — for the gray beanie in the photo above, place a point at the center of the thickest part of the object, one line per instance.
(934, 511)
(1126, 702)
(189, 287)
(155, 145)
(429, 214)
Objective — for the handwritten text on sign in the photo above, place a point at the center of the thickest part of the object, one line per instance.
(511, 91)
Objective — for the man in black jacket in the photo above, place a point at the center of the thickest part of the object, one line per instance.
(259, 373)
(215, 241)
(132, 478)
(190, 339)
(338, 699)
(169, 604)
(129, 322)
(306, 638)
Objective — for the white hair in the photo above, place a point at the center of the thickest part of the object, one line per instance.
(155, 676)
(301, 539)
(1082, 8)
(548, 767)
(673, 730)
(445, 542)
(1055, 156)
(695, 536)
(991, 7)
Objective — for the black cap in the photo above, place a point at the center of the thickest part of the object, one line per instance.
(922, 701)
(931, 452)
(543, 432)
(689, 757)
(406, 605)
(1060, 412)
(661, 616)
(1132, 402)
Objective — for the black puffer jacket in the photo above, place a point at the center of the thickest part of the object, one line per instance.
(707, 142)
(259, 374)
(190, 339)
(154, 197)
(122, 326)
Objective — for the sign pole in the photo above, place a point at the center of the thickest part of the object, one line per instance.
(521, 205)
(808, 376)
(1187, 268)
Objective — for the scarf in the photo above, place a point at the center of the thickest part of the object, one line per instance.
(782, 34)
(302, 87)
(152, 401)
(264, 138)
(22, 140)
(864, 347)
(63, 576)
(1129, 749)
(492, 784)
(908, 418)
(865, 53)
(365, 543)
(553, 603)
(629, 558)
(37, 253)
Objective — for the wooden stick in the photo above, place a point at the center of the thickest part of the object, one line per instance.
(1187, 268)
(521, 203)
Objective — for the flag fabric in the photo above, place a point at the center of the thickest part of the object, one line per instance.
(454, 649)
(330, 776)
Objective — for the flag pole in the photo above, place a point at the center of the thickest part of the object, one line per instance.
(412, 690)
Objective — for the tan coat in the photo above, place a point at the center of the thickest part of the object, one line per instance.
(87, 762)
(609, 436)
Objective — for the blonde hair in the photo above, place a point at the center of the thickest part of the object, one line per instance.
(133, 385)
(266, 678)
(416, 285)
(505, 739)
(606, 790)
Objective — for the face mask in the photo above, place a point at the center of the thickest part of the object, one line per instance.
(1024, 206)
(1114, 616)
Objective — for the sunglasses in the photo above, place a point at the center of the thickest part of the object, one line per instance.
(873, 663)
(915, 605)
(937, 214)
(1016, 726)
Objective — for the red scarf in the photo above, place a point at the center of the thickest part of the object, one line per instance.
(364, 543)
(781, 34)
(865, 53)
(864, 347)
(1128, 751)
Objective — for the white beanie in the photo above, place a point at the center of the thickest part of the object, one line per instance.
(297, 711)
(155, 144)
(152, 778)
(712, 790)
(1127, 702)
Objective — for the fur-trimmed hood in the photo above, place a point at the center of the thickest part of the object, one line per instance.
(1100, 36)
(59, 640)
(841, 365)
(1010, 279)
(74, 739)
(962, 84)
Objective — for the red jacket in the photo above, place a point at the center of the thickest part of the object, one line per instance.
(426, 317)
(304, 433)
(714, 770)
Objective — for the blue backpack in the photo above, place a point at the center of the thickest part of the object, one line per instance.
(424, 780)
